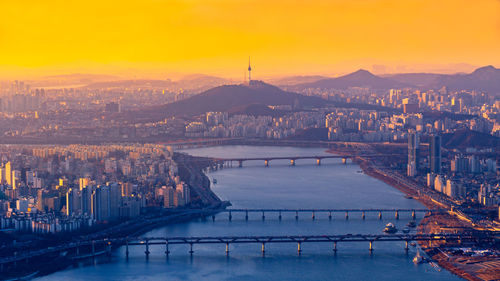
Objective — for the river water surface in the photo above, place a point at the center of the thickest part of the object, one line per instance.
(306, 185)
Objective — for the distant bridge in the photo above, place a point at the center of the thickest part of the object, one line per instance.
(295, 158)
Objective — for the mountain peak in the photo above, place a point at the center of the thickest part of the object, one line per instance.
(362, 72)
(486, 69)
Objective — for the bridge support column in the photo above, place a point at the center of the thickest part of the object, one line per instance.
(363, 215)
(413, 216)
(266, 163)
(108, 248)
(346, 215)
(263, 216)
(330, 215)
(380, 215)
(318, 161)
(263, 249)
(279, 216)
(313, 215)
(344, 160)
(406, 247)
(299, 249)
(147, 248)
(246, 215)
(126, 248)
(396, 215)
(227, 249)
(240, 164)
(335, 246)
(191, 249)
(230, 216)
(292, 162)
(296, 215)
(167, 251)
(371, 247)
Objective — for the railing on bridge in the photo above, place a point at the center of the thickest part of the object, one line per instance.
(293, 159)
(330, 212)
(458, 239)
(483, 237)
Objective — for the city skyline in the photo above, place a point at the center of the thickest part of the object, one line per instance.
(158, 39)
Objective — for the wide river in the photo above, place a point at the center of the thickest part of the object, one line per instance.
(306, 185)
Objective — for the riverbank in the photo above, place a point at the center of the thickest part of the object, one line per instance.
(469, 268)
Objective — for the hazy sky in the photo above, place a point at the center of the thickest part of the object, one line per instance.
(283, 37)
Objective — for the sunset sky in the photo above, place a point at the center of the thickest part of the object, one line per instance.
(158, 37)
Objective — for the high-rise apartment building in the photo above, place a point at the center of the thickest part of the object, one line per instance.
(435, 154)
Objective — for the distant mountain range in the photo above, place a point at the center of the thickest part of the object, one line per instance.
(361, 78)
(482, 79)
(295, 80)
(237, 98)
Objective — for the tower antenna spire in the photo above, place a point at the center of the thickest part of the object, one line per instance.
(249, 71)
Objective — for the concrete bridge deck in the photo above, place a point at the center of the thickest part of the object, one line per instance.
(471, 238)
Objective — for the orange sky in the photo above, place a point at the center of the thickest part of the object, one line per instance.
(157, 37)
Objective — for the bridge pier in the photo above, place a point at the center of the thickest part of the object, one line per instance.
(230, 216)
(313, 215)
(263, 249)
(263, 216)
(126, 248)
(344, 160)
(413, 216)
(299, 249)
(266, 163)
(406, 247)
(363, 215)
(330, 215)
(147, 248)
(346, 215)
(279, 216)
(240, 164)
(227, 249)
(167, 251)
(396, 215)
(318, 161)
(371, 247)
(108, 248)
(191, 249)
(292, 162)
(296, 215)
(246, 215)
(380, 215)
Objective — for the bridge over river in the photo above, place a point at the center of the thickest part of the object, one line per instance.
(293, 159)
(313, 212)
(460, 239)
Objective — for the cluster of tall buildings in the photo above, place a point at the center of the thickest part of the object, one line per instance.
(63, 188)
